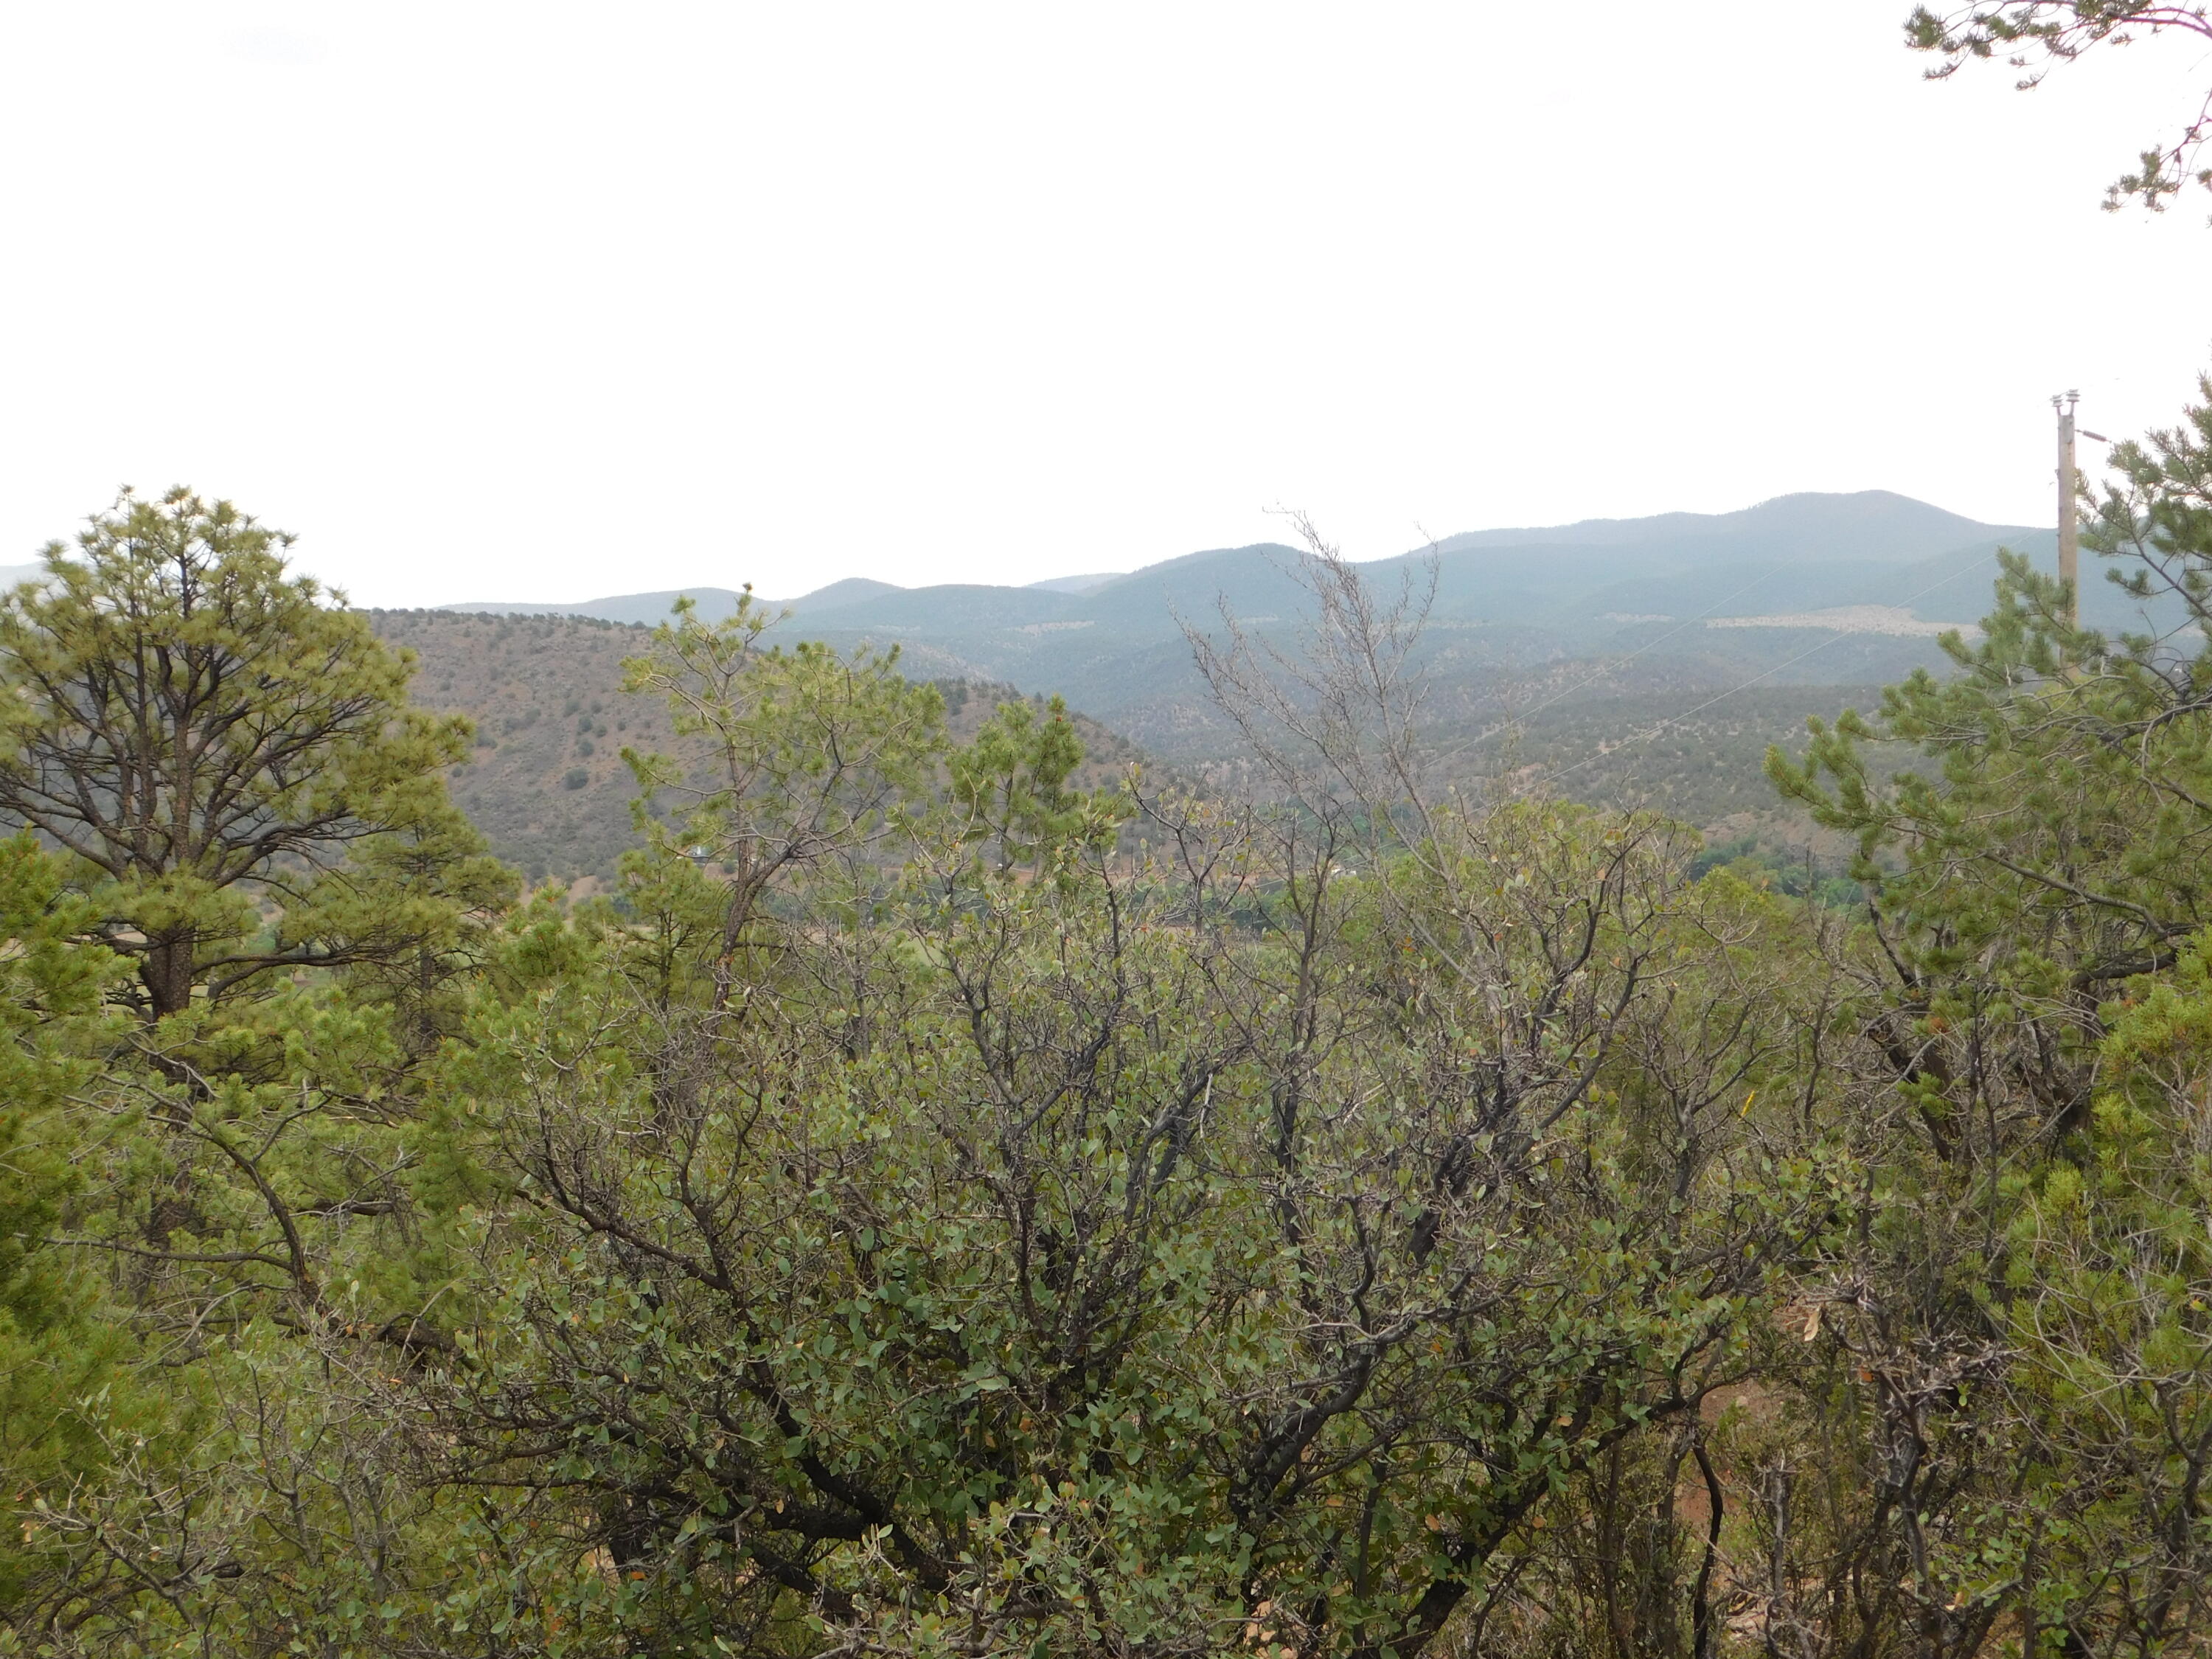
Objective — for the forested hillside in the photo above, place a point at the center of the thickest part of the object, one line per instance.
(1629, 663)
(948, 1194)
(1804, 590)
(546, 783)
(544, 779)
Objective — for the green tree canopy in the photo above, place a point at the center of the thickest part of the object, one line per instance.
(205, 735)
(2036, 36)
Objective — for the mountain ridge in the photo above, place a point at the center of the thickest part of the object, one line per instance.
(1803, 524)
(1799, 589)
(1818, 520)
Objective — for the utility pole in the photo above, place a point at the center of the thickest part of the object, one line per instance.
(2069, 536)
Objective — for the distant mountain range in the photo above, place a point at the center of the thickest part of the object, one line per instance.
(1805, 589)
(1642, 662)
(716, 603)
(1871, 525)
(1675, 609)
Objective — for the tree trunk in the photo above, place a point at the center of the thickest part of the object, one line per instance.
(165, 970)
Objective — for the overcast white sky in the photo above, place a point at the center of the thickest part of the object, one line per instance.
(545, 301)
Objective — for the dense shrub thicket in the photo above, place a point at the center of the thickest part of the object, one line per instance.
(934, 1208)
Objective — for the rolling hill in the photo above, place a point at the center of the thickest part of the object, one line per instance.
(1646, 660)
(1806, 589)
(547, 784)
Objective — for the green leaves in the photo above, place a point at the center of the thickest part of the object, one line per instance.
(62, 1353)
(204, 735)
(912, 1216)
(1012, 1253)
(1008, 788)
(2039, 35)
(799, 766)
(2018, 1308)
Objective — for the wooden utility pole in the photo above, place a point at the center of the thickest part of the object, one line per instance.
(2069, 536)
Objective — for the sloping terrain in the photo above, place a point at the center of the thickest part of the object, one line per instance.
(1699, 759)
(1806, 589)
(1807, 526)
(547, 785)
(1639, 661)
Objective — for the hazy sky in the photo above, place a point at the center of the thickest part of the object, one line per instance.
(545, 301)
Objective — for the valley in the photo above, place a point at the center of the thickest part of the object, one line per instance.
(1646, 663)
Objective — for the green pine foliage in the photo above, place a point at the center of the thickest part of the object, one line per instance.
(938, 1192)
(66, 1382)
